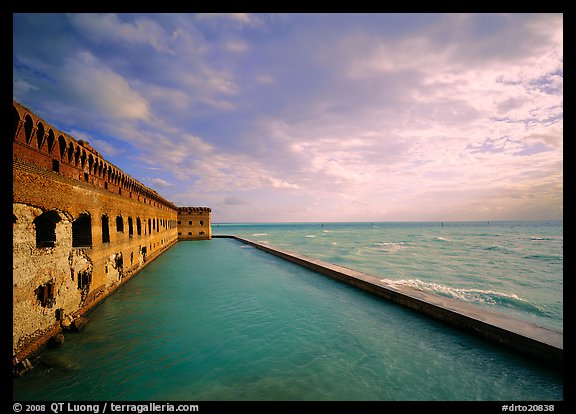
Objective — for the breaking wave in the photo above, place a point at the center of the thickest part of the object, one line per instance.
(390, 246)
(479, 296)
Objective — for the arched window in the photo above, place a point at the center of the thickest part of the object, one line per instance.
(119, 224)
(46, 229)
(82, 231)
(40, 135)
(105, 229)
(149, 227)
(130, 227)
(51, 140)
(76, 156)
(83, 158)
(138, 226)
(15, 122)
(70, 152)
(62, 145)
(28, 124)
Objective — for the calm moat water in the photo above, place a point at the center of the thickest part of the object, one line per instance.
(217, 320)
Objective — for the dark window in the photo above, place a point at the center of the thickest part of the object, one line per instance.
(190, 222)
(45, 294)
(82, 231)
(149, 227)
(61, 145)
(56, 166)
(189, 233)
(40, 135)
(51, 141)
(86, 176)
(46, 229)
(130, 227)
(28, 128)
(15, 121)
(201, 223)
(138, 226)
(105, 229)
(105, 185)
(119, 224)
(179, 222)
(84, 279)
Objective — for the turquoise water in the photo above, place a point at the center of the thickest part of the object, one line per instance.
(217, 320)
(515, 267)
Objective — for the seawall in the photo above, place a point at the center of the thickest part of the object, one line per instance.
(533, 341)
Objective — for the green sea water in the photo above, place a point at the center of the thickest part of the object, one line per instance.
(220, 321)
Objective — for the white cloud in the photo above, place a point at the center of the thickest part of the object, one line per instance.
(109, 28)
(239, 18)
(159, 182)
(101, 90)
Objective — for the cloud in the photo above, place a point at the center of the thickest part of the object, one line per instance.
(234, 201)
(100, 90)
(400, 117)
(109, 28)
(238, 18)
(159, 182)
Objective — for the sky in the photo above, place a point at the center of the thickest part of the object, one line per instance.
(312, 117)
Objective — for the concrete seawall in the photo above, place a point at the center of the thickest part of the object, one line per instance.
(539, 343)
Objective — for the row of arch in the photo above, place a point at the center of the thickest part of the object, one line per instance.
(62, 148)
(45, 225)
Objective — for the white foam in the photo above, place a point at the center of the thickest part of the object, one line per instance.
(489, 297)
(390, 246)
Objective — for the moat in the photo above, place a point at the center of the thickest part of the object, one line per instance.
(218, 320)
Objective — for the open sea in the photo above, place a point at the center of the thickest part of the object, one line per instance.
(221, 321)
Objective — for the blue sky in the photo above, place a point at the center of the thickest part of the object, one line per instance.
(312, 117)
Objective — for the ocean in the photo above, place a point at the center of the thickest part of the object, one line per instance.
(512, 266)
(221, 321)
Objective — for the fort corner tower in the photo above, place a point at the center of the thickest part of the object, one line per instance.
(194, 223)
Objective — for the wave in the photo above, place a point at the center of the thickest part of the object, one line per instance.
(310, 236)
(480, 296)
(260, 234)
(440, 238)
(535, 238)
(390, 246)
(546, 258)
(497, 248)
